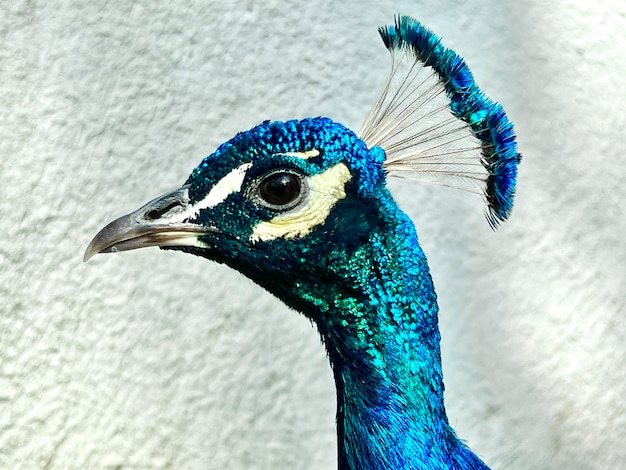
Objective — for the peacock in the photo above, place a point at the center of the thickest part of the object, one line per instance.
(302, 208)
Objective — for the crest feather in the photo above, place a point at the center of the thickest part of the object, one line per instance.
(436, 125)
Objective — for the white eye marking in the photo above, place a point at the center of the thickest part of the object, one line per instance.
(325, 190)
(229, 184)
(303, 155)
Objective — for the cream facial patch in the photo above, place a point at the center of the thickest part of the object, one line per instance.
(324, 191)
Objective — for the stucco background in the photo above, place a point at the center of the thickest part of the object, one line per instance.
(154, 359)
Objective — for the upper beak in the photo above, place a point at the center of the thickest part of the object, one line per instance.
(161, 222)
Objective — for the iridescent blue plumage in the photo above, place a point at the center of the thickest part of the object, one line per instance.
(361, 277)
(302, 208)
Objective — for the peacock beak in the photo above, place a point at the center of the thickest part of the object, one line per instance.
(162, 222)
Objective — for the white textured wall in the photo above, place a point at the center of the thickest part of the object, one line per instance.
(160, 360)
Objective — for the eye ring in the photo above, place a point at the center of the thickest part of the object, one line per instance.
(279, 190)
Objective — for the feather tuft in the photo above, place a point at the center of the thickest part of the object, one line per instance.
(436, 125)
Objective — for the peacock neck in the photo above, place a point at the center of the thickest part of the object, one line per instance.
(371, 295)
(378, 318)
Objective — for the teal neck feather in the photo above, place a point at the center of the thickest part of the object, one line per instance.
(362, 277)
(371, 295)
(383, 342)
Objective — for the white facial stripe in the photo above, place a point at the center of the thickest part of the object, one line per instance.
(229, 184)
(303, 155)
(325, 190)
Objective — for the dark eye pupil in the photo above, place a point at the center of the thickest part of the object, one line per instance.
(280, 189)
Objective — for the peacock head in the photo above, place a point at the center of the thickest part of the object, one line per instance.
(266, 202)
(290, 203)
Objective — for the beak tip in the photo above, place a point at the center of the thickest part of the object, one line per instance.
(90, 252)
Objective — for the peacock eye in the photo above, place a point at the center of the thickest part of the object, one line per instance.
(281, 190)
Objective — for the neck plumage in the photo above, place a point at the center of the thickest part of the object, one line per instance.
(377, 314)
(366, 284)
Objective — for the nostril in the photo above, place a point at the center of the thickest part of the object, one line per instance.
(153, 214)
(159, 212)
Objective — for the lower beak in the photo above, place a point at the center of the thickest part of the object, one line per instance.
(162, 222)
